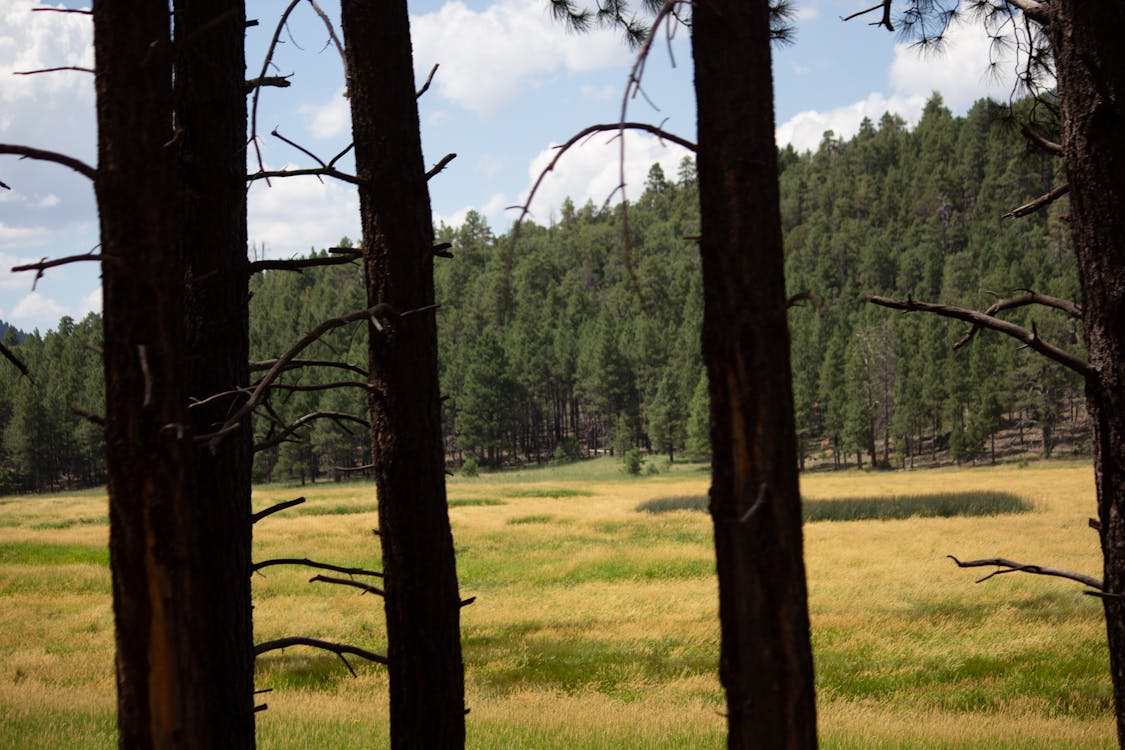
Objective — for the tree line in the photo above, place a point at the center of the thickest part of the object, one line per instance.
(558, 347)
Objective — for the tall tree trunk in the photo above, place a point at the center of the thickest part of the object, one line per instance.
(210, 120)
(149, 451)
(766, 659)
(422, 601)
(1090, 66)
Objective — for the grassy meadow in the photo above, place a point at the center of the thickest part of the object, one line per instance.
(594, 624)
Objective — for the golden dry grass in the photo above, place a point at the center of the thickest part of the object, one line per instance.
(594, 624)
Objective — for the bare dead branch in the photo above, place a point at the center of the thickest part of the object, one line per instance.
(307, 563)
(336, 416)
(276, 508)
(1031, 298)
(1009, 566)
(442, 164)
(370, 313)
(266, 62)
(467, 602)
(364, 587)
(426, 85)
(297, 264)
(332, 35)
(341, 155)
(88, 416)
(44, 264)
(298, 363)
(299, 147)
(52, 70)
(441, 250)
(16, 361)
(278, 82)
(1029, 338)
(63, 10)
(1037, 138)
(1042, 201)
(337, 648)
(885, 21)
(26, 152)
(320, 386)
(266, 174)
(363, 467)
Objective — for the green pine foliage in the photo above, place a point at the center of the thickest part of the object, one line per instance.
(558, 347)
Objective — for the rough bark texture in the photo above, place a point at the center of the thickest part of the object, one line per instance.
(210, 122)
(422, 602)
(766, 659)
(149, 449)
(1090, 62)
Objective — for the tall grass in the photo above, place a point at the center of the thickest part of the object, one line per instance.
(594, 625)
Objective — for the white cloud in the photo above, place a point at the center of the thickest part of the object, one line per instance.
(489, 56)
(35, 308)
(591, 171)
(960, 72)
(960, 69)
(329, 120)
(35, 41)
(92, 302)
(804, 130)
(492, 210)
(21, 237)
(298, 213)
(806, 11)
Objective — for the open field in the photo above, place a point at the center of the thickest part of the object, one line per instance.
(595, 623)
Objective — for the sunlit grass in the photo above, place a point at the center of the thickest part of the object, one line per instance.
(595, 625)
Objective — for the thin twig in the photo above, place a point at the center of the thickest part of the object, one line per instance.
(440, 165)
(364, 587)
(337, 648)
(297, 264)
(52, 70)
(336, 416)
(16, 361)
(277, 508)
(307, 563)
(426, 85)
(1031, 298)
(1009, 566)
(1034, 205)
(298, 363)
(266, 174)
(266, 62)
(27, 152)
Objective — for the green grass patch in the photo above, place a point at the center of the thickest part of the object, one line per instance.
(555, 492)
(36, 553)
(67, 523)
(541, 518)
(892, 507)
(335, 509)
(470, 502)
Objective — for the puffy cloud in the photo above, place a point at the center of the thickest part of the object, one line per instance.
(92, 302)
(591, 171)
(961, 71)
(960, 68)
(805, 129)
(35, 309)
(298, 213)
(21, 237)
(329, 120)
(489, 56)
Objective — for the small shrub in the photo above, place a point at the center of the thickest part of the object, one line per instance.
(469, 467)
(520, 520)
(632, 462)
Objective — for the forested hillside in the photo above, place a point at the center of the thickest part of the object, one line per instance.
(562, 347)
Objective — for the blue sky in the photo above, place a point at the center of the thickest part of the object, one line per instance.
(511, 85)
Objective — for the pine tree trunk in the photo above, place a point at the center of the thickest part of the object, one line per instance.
(148, 454)
(1090, 63)
(766, 660)
(210, 111)
(422, 602)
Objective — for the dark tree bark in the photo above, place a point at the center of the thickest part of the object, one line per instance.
(422, 602)
(170, 187)
(149, 448)
(766, 659)
(210, 124)
(1090, 66)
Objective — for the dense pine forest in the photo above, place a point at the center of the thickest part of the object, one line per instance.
(565, 345)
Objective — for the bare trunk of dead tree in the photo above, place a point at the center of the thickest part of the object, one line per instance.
(766, 661)
(422, 602)
(148, 446)
(1090, 62)
(210, 120)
